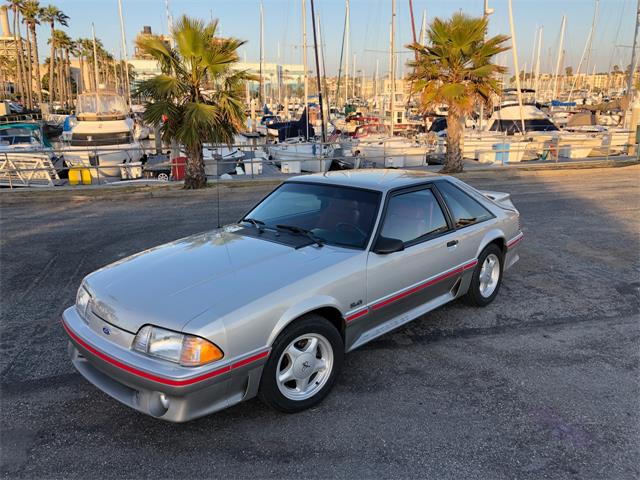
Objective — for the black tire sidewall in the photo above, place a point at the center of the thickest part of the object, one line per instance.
(269, 392)
(474, 295)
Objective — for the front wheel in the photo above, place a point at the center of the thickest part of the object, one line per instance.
(304, 363)
(487, 277)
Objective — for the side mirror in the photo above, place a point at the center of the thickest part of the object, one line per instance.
(386, 245)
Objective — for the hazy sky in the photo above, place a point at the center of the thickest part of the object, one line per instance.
(369, 26)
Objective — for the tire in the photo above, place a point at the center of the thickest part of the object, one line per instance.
(477, 295)
(164, 177)
(294, 395)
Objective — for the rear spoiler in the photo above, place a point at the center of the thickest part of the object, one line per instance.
(501, 198)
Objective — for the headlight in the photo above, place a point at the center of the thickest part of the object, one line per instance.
(187, 350)
(82, 301)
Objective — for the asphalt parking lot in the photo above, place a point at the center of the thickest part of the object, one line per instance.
(543, 383)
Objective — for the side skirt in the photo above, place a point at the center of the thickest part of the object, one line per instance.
(404, 318)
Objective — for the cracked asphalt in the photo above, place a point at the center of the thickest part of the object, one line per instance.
(543, 383)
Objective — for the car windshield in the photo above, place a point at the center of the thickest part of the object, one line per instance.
(334, 215)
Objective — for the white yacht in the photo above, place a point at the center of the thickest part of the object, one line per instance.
(103, 135)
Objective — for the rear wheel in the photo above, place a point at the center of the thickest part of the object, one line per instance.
(487, 277)
(304, 363)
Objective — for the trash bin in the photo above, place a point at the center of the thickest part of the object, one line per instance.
(86, 176)
(75, 176)
(178, 166)
(502, 152)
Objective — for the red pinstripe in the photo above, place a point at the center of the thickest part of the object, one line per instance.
(156, 378)
(411, 291)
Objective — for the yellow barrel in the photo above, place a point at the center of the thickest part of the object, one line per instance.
(74, 176)
(86, 176)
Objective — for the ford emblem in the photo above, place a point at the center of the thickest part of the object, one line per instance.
(106, 330)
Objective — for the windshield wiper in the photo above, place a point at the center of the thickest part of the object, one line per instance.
(259, 224)
(302, 231)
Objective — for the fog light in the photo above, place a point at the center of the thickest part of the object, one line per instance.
(164, 401)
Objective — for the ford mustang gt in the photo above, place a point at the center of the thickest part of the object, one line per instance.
(268, 306)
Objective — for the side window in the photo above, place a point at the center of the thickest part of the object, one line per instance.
(413, 215)
(464, 209)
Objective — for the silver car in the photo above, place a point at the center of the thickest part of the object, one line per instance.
(269, 306)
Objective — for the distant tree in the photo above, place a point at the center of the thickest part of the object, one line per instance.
(31, 17)
(456, 68)
(616, 69)
(52, 14)
(568, 71)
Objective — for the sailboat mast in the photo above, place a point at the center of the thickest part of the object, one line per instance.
(124, 49)
(587, 47)
(393, 64)
(633, 53)
(537, 74)
(262, 95)
(304, 63)
(353, 84)
(346, 55)
(559, 61)
(96, 70)
(315, 47)
(423, 28)
(533, 57)
(514, 50)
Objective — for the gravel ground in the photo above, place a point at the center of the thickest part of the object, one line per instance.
(543, 383)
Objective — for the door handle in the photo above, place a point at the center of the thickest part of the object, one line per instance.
(452, 243)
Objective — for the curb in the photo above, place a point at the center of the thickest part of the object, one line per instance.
(116, 192)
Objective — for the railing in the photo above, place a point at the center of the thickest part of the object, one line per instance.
(254, 161)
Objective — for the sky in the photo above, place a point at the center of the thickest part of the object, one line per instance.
(370, 19)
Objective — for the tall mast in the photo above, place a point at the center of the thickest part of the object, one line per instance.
(315, 45)
(586, 51)
(591, 34)
(262, 96)
(96, 70)
(537, 74)
(353, 84)
(634, 53)
(559, 61)
(375, 89)
(124, 49)
(304, 62)
(514, 50)
(393, 64)
(346, 55)
(533, 55)
(169, 23)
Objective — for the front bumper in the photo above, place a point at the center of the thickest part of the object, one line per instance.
(145, 384)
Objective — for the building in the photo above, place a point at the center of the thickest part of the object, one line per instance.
(147, 33)
(8, 48)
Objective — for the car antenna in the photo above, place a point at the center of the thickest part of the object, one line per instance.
(218, 200)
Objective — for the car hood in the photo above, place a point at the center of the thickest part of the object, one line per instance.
(171, 284)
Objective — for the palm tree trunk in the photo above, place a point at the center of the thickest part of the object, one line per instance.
(67, 74)
(194, 174)
(29, 70)
(51, 66)
(19, 83)
(34, 38)
(453, 162)
(26, 92)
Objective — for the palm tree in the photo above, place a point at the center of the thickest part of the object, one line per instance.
(51, 14)
(62, 43)
(31, 17)
(23, 87)
(455, 68)
(198, 93)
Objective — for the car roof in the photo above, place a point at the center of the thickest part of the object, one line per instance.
(381, 179)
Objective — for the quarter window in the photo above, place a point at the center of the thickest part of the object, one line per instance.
(464, 209)
(413, 216)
